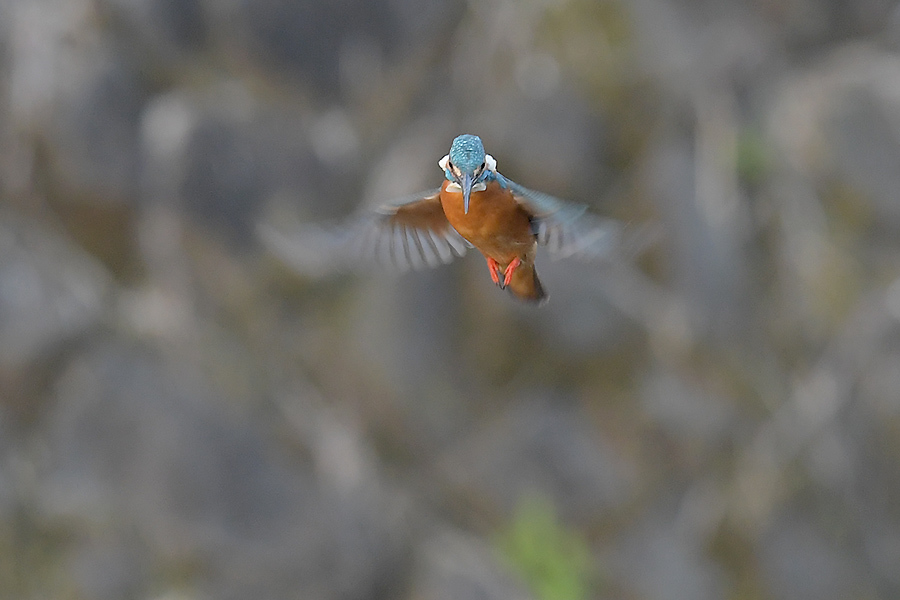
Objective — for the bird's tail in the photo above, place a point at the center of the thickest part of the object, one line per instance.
(525, 284)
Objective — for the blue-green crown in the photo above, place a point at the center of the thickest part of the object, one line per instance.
(467, 152)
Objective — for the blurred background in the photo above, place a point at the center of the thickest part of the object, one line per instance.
(183, 417)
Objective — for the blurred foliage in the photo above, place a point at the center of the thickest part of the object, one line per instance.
(754, 156)
(554, 561)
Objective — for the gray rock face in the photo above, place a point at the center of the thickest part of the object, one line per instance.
(184, 416)
(660, 561)
(801, 563)
(542, 449)
(50, 291)
(138, 451)
(459, 567)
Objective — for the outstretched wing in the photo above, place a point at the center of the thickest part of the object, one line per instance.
(567, 229)
(412, 233)
(409, 233)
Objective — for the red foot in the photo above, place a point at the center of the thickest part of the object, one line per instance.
(510, 269)
(494, 267)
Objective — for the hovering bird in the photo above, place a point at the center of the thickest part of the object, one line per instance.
(476, 207)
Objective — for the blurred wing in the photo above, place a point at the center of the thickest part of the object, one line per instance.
(568, 229)
(409, 233)
(412, 233)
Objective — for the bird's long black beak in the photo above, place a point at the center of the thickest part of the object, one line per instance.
(466, 184)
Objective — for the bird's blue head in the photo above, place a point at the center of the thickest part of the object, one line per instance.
(467, 152)
(465, 164)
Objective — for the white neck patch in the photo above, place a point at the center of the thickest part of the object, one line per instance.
(478, 187)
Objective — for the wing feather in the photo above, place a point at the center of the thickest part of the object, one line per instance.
(411, 232)
(567, 229)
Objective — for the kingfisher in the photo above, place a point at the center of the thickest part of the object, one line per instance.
(475, 207)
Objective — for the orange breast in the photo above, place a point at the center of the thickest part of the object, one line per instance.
(496, 224)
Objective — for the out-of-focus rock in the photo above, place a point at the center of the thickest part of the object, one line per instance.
(882, 550)
(50, 290)
(140, 448)
(579, 320)
(46, 41)
(73, 91)
(171, 29)
(546, 449)
(799, 563)
(312, 43)
(555, 144)
(865, 134)
(94, 137)
(663, 558)
(107, 569)
(221, 154)
(705, 255)
(8, 489)
(154, 459)
(686, 413)
(454, 566)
